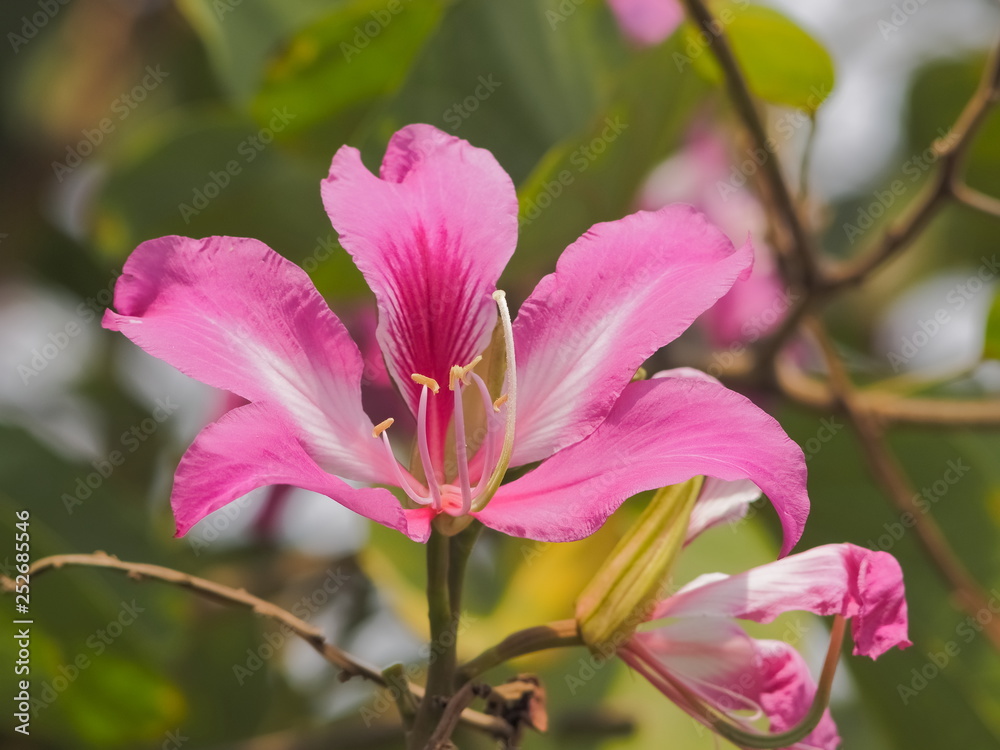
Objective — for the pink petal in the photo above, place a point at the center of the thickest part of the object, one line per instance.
(236, 315)
(660, 432)
(431, 236)
(840, 579)
(619, 293)
(255, 446)
(785, 690)
(720, 502)
(718, 661)
(734, 673)
(647, 22)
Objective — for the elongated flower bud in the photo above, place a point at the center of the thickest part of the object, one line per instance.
(631, 581)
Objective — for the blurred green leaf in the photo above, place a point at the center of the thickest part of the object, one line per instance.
(782, 63)
(348, 58)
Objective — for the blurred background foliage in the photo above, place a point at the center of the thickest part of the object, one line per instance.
(123, 121)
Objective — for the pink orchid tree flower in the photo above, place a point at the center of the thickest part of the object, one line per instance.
(431, 234)
(710, 667)
(647, 22)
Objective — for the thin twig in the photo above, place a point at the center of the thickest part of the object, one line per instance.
(947, 182)
(887, 471)
(888, 407)
(351, 665)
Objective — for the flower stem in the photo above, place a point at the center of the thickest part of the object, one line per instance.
(557, 634)
(446, 560)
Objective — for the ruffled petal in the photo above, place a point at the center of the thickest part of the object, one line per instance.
(619, 293)
(647, 22)
(233, 313)
(255, 446)
(660, 432)
(431, 235)
(843, 579)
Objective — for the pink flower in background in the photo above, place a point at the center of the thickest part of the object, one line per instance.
(431, 234)
(702, 174)
(647, 22)
(699, 656)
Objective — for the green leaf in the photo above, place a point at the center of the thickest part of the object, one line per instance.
(782, 63)
(349, 58)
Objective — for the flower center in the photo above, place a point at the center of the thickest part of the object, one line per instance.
(461, 498)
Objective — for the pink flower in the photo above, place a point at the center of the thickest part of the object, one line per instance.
(702, 659)
(702, 174)
(647, 22)
(431, 234)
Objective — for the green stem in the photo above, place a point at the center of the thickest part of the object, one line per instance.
(441, 664)
(557, 634)
(446, 561)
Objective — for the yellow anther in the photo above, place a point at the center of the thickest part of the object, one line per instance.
(499, 402)
(462, 373)
(424, 380)
(382, 427)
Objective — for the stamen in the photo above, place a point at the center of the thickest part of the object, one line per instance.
(426, 381)
(490, 446)
(382, 427)
(461, 451)
(401, 480)
(462, 373)
(499, 402)
(508, 439)
(424, 449)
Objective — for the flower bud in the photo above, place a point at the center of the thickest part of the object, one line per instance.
(631, 581)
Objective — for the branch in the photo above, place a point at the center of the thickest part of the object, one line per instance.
(351, 665)
(947, 183)
(886, 406)
(739, 93)
(887, 471)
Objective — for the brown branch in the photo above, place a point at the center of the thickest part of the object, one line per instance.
(746, 108)
(973, 198)
(351, 665)
(947, 182)
(885, 406)
(886, 469)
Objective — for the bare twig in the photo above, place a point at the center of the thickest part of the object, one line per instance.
(947, 183)
(351, 665)
(888, 407)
